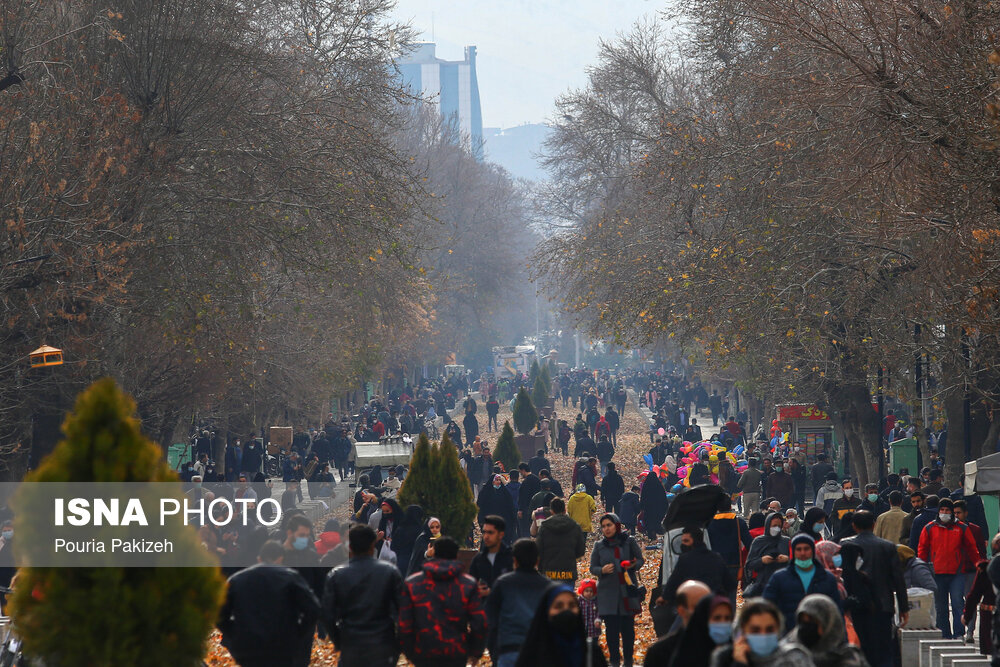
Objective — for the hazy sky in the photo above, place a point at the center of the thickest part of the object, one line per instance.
(529, 51)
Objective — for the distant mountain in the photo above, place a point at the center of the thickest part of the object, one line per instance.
(515, 149)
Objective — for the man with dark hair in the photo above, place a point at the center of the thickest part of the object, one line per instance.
(530, 485)
(848, 502)
(872, 502)
(538, 462)
(554, 486)
(819, 471)
(512, 603)
(698, 563)
(560, 543)
(750, 485)
(729, 535)
(926, 515)
(935, 483)
(889, 525)
(946, 545)
(361, 603)
(495, 557)
(441, 617)
(916, 507)
(873, 574)
(269, 614)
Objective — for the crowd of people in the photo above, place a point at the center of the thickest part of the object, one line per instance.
(792, 566)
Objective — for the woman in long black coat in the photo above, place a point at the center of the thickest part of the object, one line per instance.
(653, 502)
(495, 499)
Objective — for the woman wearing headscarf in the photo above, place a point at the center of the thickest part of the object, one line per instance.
(815, 524)
(820, 629)
(828, 553)
(556, 637)
(670, 463)
(653, 502)
(768, 554)
(616, 561)
(757, 631)
(494, 499)
(432, 531)
(711, 625)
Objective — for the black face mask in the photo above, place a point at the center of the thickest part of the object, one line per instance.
(808, 633)
(565, 622)
(686, 548)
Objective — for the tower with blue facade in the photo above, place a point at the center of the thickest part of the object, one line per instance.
(451, 85)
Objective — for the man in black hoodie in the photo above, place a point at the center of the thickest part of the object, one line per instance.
(560, 543)
(495, 557)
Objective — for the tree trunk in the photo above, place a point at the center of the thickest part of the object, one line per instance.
(863, 428)
(955, 455)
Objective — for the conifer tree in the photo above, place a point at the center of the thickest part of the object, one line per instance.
(453, 502)
(539, 396)
(533, 371)
(108, 616)
(419, 486)
(525, 415)
(546, 380)
(506, 450)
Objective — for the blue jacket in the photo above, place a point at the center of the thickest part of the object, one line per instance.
(628, 509)
(785, 590)
(510, 608)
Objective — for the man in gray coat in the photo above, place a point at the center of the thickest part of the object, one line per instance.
(749, 485)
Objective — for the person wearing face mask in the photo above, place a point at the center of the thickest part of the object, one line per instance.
(873, 502)
(698, 563)
(945, 544)
(805, 575)
(756, 640)
(925, 516)
(768, 554)
(820, 628)
(300, 551)
(709, 623)
(556, 635)
(814, 524)
(848, 502)
(495, 500)
(780, 484)
(828, 554)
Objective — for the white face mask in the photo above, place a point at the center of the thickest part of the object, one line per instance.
(944, 518)
(848, 492)
(775, 530)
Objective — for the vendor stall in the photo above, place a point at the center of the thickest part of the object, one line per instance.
(982, 478)
(808, 424)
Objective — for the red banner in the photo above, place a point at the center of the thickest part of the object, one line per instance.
(792, 412)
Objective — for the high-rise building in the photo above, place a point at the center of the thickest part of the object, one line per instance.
(451, 85)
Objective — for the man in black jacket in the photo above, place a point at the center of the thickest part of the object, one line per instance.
(560, 543)
(361, 604)
(697, 562)
(269, 614)
(494, 557)
(538, 462)
(530, 485)
(871, 586)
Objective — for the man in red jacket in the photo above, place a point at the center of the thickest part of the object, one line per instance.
(441, 617)
(946, 544)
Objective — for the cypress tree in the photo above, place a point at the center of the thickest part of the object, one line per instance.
(420, 483)
(539, 396)
(533, 371)
(108, 616)
(506, 450)
(453, 502)
(546, 380)
(525, 415)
